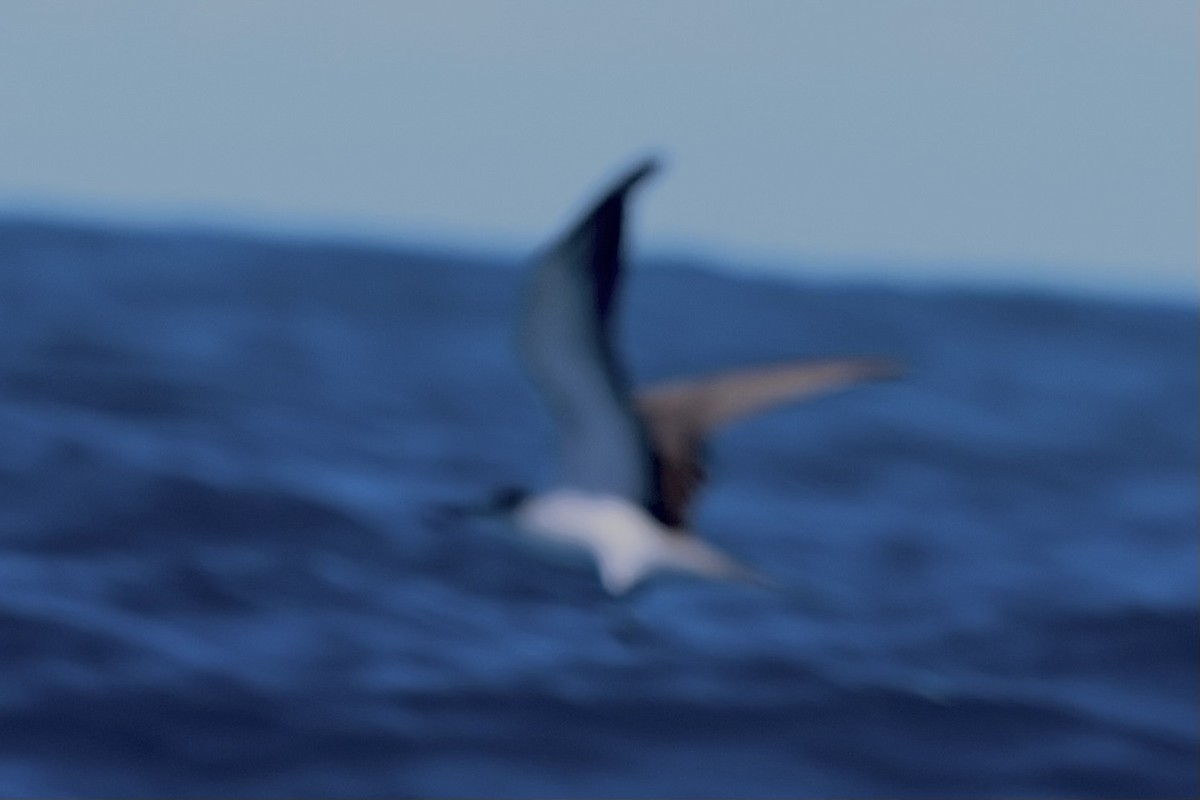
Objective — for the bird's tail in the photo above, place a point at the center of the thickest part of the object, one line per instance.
(685, 553)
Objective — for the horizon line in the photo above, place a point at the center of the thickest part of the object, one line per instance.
(897, 271)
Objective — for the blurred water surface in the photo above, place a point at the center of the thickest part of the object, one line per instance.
(218, 576)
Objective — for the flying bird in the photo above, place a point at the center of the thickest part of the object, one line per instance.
(631, 462)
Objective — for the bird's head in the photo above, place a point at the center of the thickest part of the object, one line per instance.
(500, 503)
(506, 499)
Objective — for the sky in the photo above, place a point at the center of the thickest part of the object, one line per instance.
(1044, 142)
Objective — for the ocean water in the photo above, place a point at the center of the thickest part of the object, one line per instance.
(219, 573)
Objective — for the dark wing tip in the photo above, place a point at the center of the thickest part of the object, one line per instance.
(636, 174)
(630, 178)
(608, 205)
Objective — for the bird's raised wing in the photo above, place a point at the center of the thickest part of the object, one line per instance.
(679, 415)
(565, 341)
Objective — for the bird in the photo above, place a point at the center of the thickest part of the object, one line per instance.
(631, 461)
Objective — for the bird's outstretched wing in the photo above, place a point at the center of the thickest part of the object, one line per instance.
(565, 340)
(679, 415)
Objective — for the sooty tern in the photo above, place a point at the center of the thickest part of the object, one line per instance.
(631, 462)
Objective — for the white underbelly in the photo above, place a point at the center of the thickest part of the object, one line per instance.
(623, 539)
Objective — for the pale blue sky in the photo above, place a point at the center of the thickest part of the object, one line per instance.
(1052, 141)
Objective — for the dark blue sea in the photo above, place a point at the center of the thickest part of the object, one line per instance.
(220, 576)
